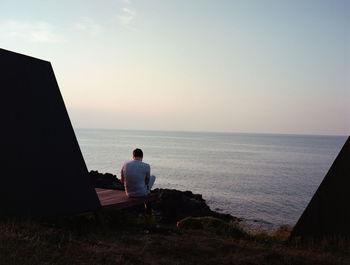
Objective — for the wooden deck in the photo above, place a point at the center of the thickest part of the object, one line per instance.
(114, 200)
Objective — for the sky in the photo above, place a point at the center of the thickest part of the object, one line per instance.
(265, 66)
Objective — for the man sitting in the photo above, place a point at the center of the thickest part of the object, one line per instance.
(136, 176)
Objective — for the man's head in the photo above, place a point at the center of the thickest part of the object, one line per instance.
(137, 154)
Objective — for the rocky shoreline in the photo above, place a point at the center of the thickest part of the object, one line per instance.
(172, 205)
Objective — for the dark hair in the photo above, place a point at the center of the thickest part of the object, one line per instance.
(137, 152)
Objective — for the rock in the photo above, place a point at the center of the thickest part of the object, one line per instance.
(174, 205)
(105, 181)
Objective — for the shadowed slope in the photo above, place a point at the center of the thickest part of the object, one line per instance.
(43, 171)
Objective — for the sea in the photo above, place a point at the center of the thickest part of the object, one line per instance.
(266, 179)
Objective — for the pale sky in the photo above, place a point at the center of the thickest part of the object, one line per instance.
(192, 65)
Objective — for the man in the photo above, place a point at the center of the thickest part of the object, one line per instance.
(136, 176)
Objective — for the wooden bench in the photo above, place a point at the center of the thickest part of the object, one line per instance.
(115, 200)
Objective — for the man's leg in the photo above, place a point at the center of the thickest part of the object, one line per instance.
(148, 208)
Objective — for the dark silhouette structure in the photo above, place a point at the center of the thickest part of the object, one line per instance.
(328, 212)
(43, 172)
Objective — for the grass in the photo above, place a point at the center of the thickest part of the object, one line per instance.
(132, 238)
(212, 225)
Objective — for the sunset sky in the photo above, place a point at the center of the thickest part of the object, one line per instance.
(192, 65)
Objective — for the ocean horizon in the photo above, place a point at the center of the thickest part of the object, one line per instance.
(267, 179)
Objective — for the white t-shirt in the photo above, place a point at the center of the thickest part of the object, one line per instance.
(135, 173)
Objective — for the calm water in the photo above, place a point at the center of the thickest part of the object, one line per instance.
(261, 177)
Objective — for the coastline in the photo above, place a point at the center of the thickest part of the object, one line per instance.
(172, 205)
(175, 205)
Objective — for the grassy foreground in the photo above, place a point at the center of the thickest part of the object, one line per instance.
(132, 238)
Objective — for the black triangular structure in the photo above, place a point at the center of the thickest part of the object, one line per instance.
(328, 213)
(43, 172)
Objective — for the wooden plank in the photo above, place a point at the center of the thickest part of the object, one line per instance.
(114, 200)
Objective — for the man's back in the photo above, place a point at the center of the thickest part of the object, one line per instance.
(135, 173)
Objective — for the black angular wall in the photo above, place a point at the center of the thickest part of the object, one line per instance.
(328, 213)
(42, 170)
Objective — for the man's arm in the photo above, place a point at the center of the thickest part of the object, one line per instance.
(122, 178)
(148, 174)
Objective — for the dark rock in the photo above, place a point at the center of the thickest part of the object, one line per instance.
(105, 181)
(174, 205)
